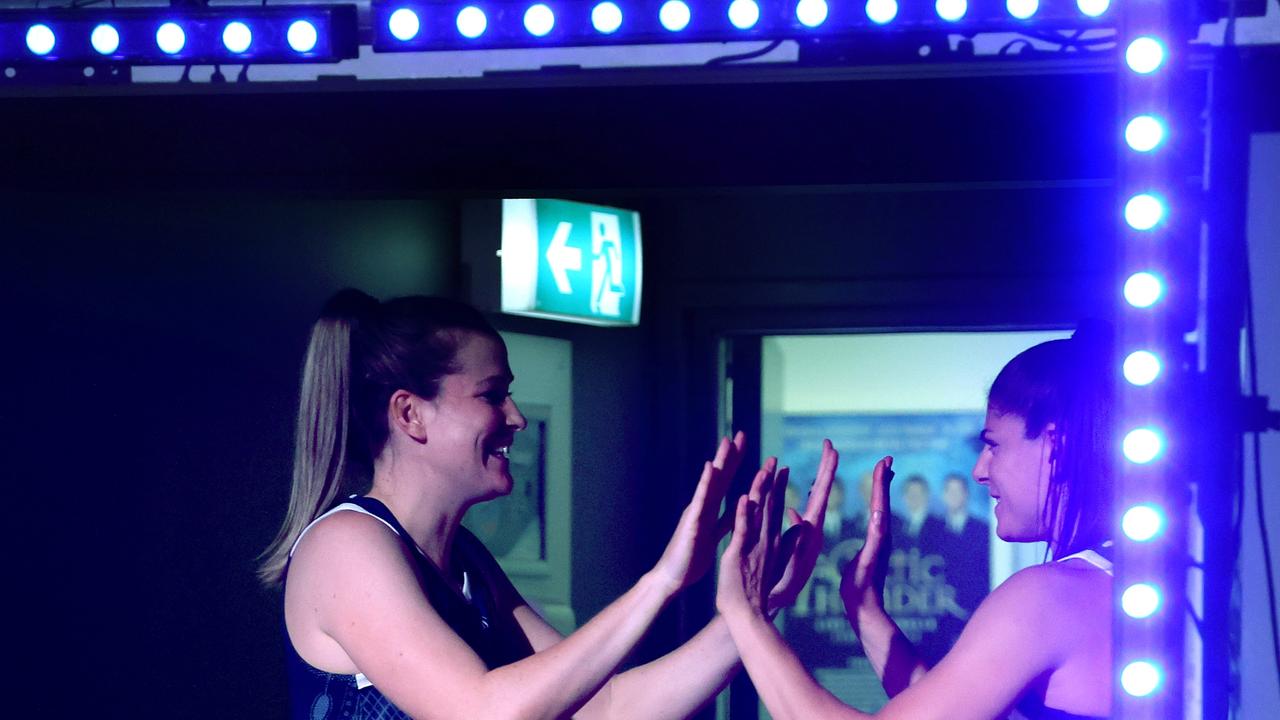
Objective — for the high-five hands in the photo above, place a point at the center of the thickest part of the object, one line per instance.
(763, 570)
(692, 547)
(802, 543)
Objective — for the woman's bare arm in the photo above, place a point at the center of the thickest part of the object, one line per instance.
(363, 594)
(890, 653)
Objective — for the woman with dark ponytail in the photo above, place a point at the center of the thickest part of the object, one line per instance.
(393, 610)
(1039, 646)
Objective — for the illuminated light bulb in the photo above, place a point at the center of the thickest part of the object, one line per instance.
(1022, 9)
(606, 18)
(1093, 8)
(1140, 678)
(539, 20)
(471, 22)
(744, 14)
(171, 38)
(237, 37)
(1141, 367)
(1144, 55)
(105, 39)
(1142, 445)
(674, 15)
(882, 12)
(1140, 600)
(951, 10)
(1143, 211)
(1144, 133)
(40, 39)
(302, 36)
(812, 13)
(1142, 522)
(404, 24)
(1143, 289)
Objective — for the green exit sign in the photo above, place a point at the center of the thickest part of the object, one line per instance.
(571, 261)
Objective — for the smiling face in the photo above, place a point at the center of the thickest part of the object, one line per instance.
(1016, 471)
(475, 420)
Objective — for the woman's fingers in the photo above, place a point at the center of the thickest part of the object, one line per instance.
(816, 509)
(774, 506)
(741, 522)
(878, 518)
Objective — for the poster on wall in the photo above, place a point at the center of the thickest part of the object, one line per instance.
(939, 567)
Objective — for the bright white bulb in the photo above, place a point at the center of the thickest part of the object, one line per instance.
(1143, 211)
(1142, 523)
(881, 12)
(812, 13)
(302, 36)
(1093, 8)
(40, 39)
(1143, 289)
(951, 10)
(1144, 55)
(237, 37)
(404, 24)
(744, 14)
(539, 20)
(171, 38)
(1022, 9)
(1142, 445)
(1140, 678)
(1141, 367)
(471, 22)
(1144, 133)
(606, 18)
(1140, 600)
(674, 15)
(105, 39)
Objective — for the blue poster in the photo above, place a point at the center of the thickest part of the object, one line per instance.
(939, 565)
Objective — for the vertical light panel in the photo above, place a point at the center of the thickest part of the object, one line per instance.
(1151, 499)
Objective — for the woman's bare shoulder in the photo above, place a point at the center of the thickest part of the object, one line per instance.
(1055, 591)
(333, 542)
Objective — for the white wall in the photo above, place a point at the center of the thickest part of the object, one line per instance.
(886, 373)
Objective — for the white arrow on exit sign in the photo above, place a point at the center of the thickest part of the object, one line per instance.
(561, 257)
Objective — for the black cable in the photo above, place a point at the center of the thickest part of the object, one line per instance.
(1252, 349)
(726, 59)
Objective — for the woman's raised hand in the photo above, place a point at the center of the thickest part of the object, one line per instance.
(692, 547)
(862, 586)
(802, 543)
(745, 568)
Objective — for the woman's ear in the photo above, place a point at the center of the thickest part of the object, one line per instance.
(1054, 438)
(409, 414)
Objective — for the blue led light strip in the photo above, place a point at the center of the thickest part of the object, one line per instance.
(416, 25)
(161, 35)
(1150, 579)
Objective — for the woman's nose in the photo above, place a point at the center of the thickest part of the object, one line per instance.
(515, 418)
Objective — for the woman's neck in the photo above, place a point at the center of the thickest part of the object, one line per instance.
(431, 520)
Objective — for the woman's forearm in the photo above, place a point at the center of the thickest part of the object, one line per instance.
(891, 654)
(675, 685)
(558, 681)
(785, 686)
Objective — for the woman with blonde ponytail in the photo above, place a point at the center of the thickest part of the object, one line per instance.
(393, 610)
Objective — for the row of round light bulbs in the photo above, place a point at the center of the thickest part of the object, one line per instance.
(1143, 212)
(675, 15)
(171, 38)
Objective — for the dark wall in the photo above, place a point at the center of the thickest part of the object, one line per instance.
(155, 343)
